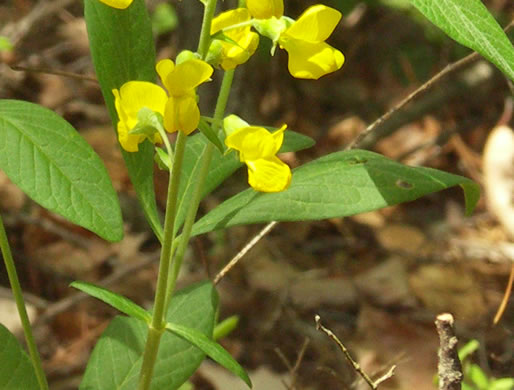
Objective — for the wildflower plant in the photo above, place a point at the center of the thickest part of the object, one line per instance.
(48, 159)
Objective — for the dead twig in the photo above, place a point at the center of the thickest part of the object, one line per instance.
(244, 251)
(423, 88)
(449, 368)
(506, 296)
(373, 384)
(69, 75)
(293, 370)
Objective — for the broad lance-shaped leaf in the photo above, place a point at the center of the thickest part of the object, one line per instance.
(470, 23)
(117, 301)
(116, 359)
(222, 165)
(16, 370)
(122, 49)
(336, 185)
(46, 157)
(210, 348)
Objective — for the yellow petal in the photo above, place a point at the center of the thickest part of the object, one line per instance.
(234, 55)
(315, 24)
(187, 76)
(129, 142)
(164, 68)
(181, 114)
(312, 60)
(128, 100)
(254, 143)
(119, 4)
(230, 18)
(188, 114)
(268, 175)
(135, 95)
(265, 9)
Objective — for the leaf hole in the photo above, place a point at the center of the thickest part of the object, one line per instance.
(404, 184)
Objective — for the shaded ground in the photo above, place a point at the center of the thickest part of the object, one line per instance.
(377, 280)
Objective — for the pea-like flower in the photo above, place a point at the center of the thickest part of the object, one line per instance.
(129, 100)
(309, 56)
(265, 9)
(244, 43)
(119, 4)
(257, 148)
(181, 111)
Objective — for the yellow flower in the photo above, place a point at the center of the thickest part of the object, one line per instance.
(182, 112)
(247, 40)
(265, 9)
(257, 148)
(129, 100)
(309, 56)
(119, 4)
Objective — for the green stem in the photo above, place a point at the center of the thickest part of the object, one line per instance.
(221, 105)
(205, 34)
(22, 310)
(158, 323)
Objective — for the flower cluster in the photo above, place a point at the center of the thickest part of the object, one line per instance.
(146, 110)
(177, 109)
(310, 57)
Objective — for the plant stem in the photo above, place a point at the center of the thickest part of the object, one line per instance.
(22, 310)
(156, 327)
(205, 34)
(221, 105)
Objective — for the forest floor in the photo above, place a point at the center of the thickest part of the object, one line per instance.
(377, 280)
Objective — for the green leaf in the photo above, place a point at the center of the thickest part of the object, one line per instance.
(208, 132)
(16, 370)
(122, 49)
(476, 376)
(117, 301)
(502, 384)
(45, 156)
(225, 327)
(116, 359)
(336, 185)
(468, 349)
(221, 167)
(210, 348)
(470, 23)
(5, 44)
(164, 18)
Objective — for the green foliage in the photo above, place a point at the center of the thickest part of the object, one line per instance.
(45, 156)
(336, 185)
(116, 360)
(5, 44)
(16, 371)
(474, 377)
(210, 348)
(117, 301)
(122, 49)
(225, 327)
(221, 167)
(470, 23)
(164, 19)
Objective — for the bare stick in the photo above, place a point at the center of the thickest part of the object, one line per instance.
(506, 296)
(429, 84)
(355, 365)
(55, 72)
(244, 251)
(449, 369)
